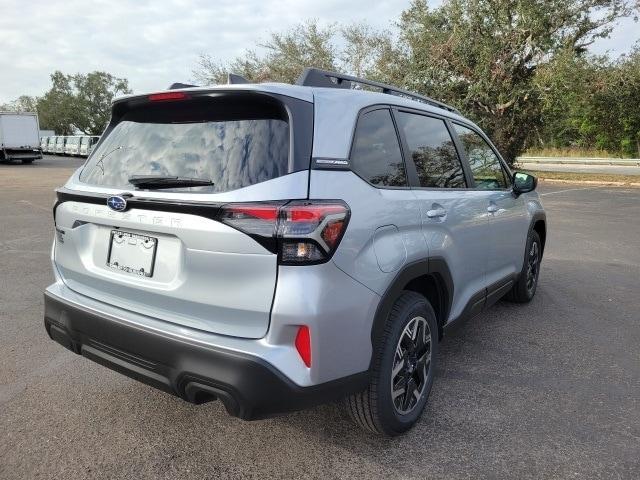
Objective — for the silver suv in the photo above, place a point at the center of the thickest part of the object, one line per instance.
(276, 246)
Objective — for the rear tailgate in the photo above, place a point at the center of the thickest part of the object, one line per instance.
(165, 254)
(206, 275)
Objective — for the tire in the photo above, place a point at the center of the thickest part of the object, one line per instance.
(375, 409)
(525, 288)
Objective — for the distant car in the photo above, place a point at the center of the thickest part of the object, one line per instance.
(44, 141)
(51, 144)
(72, 147)
(87, 143)
(60, 144)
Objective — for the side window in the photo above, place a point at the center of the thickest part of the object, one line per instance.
(376, 152)
(432, 150)
(485, 165)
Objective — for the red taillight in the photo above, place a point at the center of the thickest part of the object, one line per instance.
(301, 232)
(262, 212)
(311, 212)
(303, 344)
(167, 96)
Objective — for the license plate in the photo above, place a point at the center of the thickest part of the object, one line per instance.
(132, 253)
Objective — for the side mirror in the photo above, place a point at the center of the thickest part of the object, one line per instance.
(523, 183)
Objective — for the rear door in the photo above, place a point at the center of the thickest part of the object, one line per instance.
(508, 219)
(454, 217)
(169, 253)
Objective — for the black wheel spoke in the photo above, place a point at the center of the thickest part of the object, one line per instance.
(411, 365)
(408, 396)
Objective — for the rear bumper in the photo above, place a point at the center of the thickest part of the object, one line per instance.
(21, 154)
(248, 386)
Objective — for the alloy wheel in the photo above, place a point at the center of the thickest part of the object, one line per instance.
(411, 365)
(533, 262)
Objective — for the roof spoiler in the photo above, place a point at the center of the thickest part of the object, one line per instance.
(175, 86)
(232, 79)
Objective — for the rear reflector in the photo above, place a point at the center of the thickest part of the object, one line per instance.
(167, 96)
(303, 344)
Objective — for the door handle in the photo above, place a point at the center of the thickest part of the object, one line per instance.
(436, 212)
(492, 208)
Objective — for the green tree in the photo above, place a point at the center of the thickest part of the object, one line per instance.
(94, 93)
(80, 102)
(285, 53)
(55, 107)
(357, 49)
(626, 88)
(483, 55)
(24, 103)
(591, 102)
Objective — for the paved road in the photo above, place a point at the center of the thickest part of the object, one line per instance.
(547, 390)
(608, 169)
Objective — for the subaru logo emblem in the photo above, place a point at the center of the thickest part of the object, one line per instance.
(117, 203)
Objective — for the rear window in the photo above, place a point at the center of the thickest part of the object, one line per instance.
(376, 154)
(233, 142)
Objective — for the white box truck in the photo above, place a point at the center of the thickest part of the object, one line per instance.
(19, 137)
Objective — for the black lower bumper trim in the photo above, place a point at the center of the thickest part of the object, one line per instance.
(249, 387)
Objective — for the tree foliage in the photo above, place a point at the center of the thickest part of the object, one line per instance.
(24, 103)
(591, 103)
(74, 103)
(490, 58)
(356, 48)
(483, 55)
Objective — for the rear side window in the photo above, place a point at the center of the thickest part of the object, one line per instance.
(432, 151)
(485, 165)
(232, 142)
(376, 154)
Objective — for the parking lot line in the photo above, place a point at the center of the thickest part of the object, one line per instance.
(572, 190)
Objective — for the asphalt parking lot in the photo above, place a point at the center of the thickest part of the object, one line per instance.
(547, 390)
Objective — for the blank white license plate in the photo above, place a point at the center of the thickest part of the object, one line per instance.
(132, 253)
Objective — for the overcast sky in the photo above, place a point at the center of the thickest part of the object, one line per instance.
(154, 43)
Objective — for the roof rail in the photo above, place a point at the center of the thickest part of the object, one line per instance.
(177, 85)
(314, 77)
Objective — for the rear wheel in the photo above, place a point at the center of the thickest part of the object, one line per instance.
(525, 288)
(403, 369)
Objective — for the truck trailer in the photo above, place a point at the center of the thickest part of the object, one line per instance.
(19, 137)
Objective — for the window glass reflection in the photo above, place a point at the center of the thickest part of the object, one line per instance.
(376, 152)
(485, 165)
(432, 151)
(233, 154)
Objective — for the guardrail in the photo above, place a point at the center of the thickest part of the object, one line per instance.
(626, 162)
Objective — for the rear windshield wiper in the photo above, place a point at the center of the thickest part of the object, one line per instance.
(156, 182)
